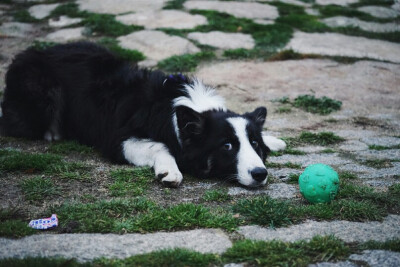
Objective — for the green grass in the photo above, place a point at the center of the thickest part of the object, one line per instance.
(303, 22)
(184, 63)
(347, 175)
(68, 147)
(355, 31)
(171, 257)
(217, 195)
(322, 138)
(174, 4)
(283, 110)
(38, 188)
(127, 54)
(139, 215)
(23, 15)
(393, 245)
(283, 165)
(378, 147)
(42, 45)
(288, 150)
(328, 151)
(323, 105)
(68, 9)
(15, 229)
(378, 163)
(278, 253)
(293, 178)
(130, 182)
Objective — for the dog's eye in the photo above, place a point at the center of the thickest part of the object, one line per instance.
(227, 146)
(254, 143)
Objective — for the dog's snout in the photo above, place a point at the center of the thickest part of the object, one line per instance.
(259, 174)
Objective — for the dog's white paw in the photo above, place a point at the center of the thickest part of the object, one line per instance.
(50, 136)
(274, 143)
(169, 175)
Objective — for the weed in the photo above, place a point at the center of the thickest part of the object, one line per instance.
(127, 54)
(41, 45)
(171, 257)
(264, 211)
(38, 262)
(67, 147)
(283, 110)
(282, 100)
(130, 182)
(378, 163)
(303, 22)
(393, 245)
(288, 150)
(216, 195)
(328, 151)
(395, 190)
(347, 175)
(322, 138)
(183, 216)
(174, 4)
(184, 63)
(23, 15)
(378, 147)
(323, 105)
(293, 178)
(278, 253)
(15, 229)
(38, 188)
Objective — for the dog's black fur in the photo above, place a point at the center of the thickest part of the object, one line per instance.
(83, 92)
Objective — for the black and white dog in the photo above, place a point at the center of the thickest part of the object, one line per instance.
(175, 124)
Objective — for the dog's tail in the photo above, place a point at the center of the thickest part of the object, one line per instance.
(273, 143)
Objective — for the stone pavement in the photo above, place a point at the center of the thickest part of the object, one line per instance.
(368, 86)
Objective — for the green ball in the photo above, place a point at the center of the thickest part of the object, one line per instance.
(319, 183)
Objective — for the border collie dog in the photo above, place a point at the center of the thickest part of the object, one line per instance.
(173, 123)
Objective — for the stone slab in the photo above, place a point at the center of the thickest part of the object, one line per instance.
(387, 141)
(223, 40)
(341, 21)
(305, 160)
(390, 154)
(335, 2)
(85, 247)
(66, 35)
(377, 258)
(334, 44)
(379, 11)
(353, 145)
(278, 190)
(345, 230)
(157, 45)
(366, 172)
(15, 29)
(42, 11)
(163, 19)
(362, 86)
(120, 6)
(63, 21)
(250, 10)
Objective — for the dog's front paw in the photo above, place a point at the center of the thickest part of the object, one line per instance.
(171, 178)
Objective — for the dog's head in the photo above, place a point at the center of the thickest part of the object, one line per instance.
(224, 144)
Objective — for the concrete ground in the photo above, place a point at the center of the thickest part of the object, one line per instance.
(368, 86)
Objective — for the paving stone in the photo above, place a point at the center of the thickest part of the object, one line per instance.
(387, 141)
(336, 2)
(311, 149)
(63, 21)
(377, 258)
(264, 21)
(283, 173)
(223, 40)
(376, 86)
(312, 11)
(366, 172)
(396, 6)
(305, 160)
(234, 265)
(379, 11)
(380, 182)
(66, 35)
(292, 2)
(334, 44)
(345, 230)
(355, 134)
(353, 145)
(391, 154)
(120, 6)
(341, 21)
(278, 190)
(163, 19)
(334, 264)
(15, 29)
(85, 247)
(238, 9)
(42, 11)
(157, 45)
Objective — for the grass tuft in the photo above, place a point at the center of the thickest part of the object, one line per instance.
(38, 188)
(323, 105)
(23, 15)
(127, 54)
(303, 22)
(68, 147)
(393, 245)
(174, 4)
(15, 229)
(216, 195)
(184, 63)
(378, 163)
(130, 182)
(322, 138)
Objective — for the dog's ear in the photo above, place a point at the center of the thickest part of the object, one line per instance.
(189, 121)
(258, 116)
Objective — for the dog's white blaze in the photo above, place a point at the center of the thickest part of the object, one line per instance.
(145, 152)
(247, 157)
(200, 98)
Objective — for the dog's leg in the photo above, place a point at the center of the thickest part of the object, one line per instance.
(145, 152)
(274, 143)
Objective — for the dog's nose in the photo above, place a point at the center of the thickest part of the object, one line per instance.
(259, 174)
